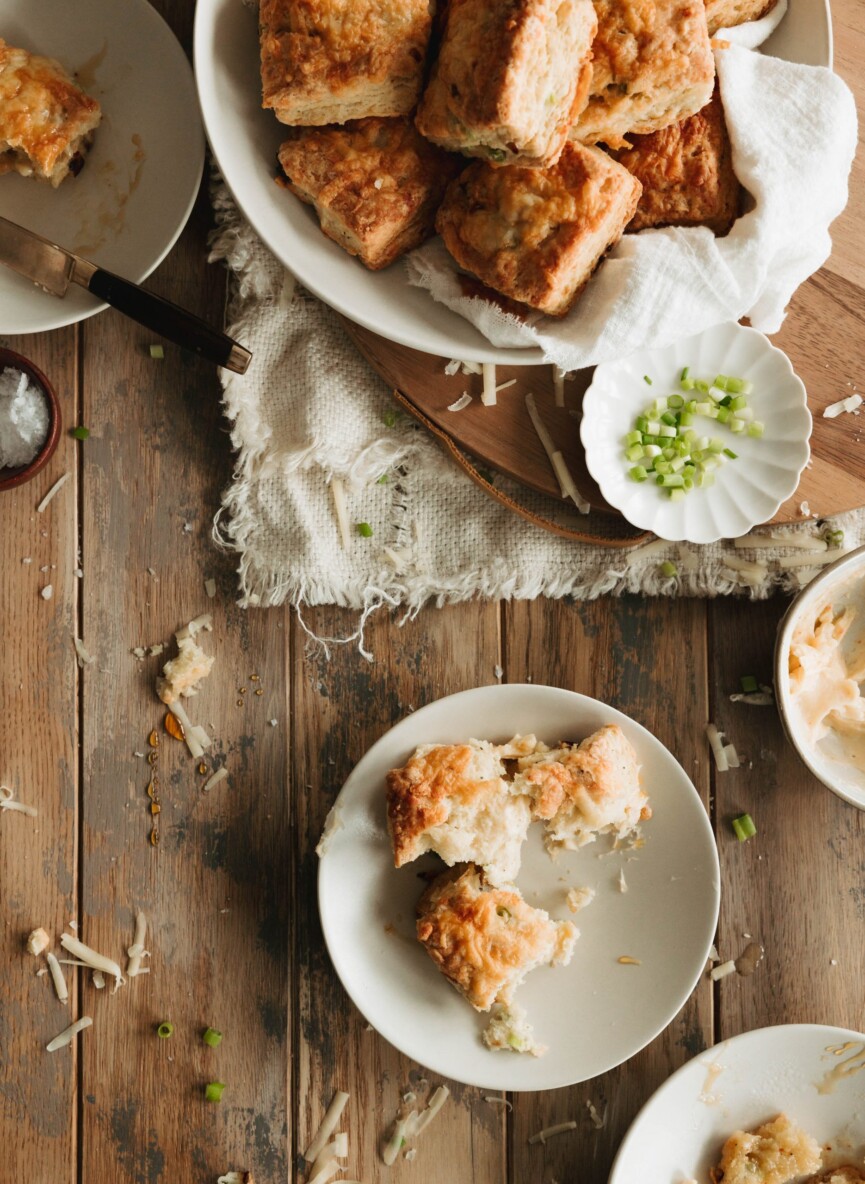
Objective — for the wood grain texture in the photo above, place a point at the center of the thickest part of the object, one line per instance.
(38, 724)
(847, 260)
(628, 653)
(340, 707)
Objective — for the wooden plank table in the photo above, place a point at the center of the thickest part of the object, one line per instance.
(230, 891)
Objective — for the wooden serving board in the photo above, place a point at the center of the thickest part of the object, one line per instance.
(816, 336)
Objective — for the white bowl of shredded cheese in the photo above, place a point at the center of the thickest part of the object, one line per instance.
(29, 420)
(819, 669)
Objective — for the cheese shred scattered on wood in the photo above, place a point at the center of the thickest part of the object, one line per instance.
(848, 404)
(337, 490)
(488, 394)
(84, 657)
(328, 1126)
(57, 978)
(548, 1132)
(7, 802)
(38, 941)
(69, 1034)
(559, 465)
(462, 402)
(136, 951)
(559, 385)
(722, 971)
(52, 492)
(92, 958)
(214, 779)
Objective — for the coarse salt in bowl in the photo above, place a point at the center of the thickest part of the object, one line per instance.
(747, 490)
(29, 419)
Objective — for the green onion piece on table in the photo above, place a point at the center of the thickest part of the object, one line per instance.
(749, 683)
(213, 1091)
(647, 380)
(744, 828)
(669, 569)
(212, 1037)
(157, 351)
(164, 1030)
(364, 530)
(80, 433)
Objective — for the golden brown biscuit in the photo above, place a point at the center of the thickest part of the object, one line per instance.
(375, 184)
(452, 799)
(652, 65)
(724, 14)
(686, 171)
(777, 1152)
(510, 79)
(46, 121)
(846, 1174)
(536, 235)
(486, 940)
(328, 61)
(585, 790)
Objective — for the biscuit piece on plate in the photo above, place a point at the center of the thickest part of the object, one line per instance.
(328, 61)
(777, 1152)
(452, 799)
(510, 79)
(847, 1174)
(375, 183)
(46, 121)
(485, 940)
(536, 235)
(724, 14)
(686, 171)
(583, 790)
(652, 65)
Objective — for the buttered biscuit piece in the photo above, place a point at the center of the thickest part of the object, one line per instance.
(776, 1153)
(486, 940)
(46, 121)
(328, 61)
(453, 799)
(652, 65)
(536, 235)
(724, 14)
(510, 79)
(686, 172)
(585, 790)
(376, 184)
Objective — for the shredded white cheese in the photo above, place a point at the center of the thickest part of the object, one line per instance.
(398, 557)
(548, 1132)
(746, 566)
(771, 542)
(731, 755)
(488, 394)
(559, 385)
(494, 1101)
(69, 1034)
(98, 979)
(197, 739)
(578, 898)
(47, 592)
(55, 488)
(136, 951)
(717, 746)
(503, 386)
(38, 941)
(471, 367)
(623, 884)
(791, 561)
(324, 1173)
(327, 1127)
(84, 657)
(452, 366)
(722, 971)
(214, 779)
(210, 588)
(435, 1104)
(92, 958)
(559, 465)
(598, 1120)
(647, 552)
(337, 489)
(7, 802)
(332, 823)
(392, 1148)
(848, 404)
(765, 697)
(462, 402)
(57, 977)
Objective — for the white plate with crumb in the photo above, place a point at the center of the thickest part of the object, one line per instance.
(592, 1014)
(128, 205)
(813, 1073)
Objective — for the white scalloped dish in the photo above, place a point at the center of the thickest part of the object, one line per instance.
(748, 490)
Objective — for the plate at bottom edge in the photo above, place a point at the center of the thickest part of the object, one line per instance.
(740, 1084)
(593, 1014)
(747, 491)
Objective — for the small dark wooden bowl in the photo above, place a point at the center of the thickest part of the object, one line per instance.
(9, 478)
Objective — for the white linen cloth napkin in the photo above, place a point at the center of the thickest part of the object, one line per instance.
(793, 130)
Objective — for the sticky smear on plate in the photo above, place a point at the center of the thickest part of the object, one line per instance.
(847, 1068)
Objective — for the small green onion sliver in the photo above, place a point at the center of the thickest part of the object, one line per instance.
(744, 828)
(164, 1030)
(212, 1037)
(213, 1091)
(748, 683)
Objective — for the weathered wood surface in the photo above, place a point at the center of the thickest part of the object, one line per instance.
(230, 892)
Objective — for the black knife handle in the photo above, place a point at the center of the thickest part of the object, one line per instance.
(168, 320)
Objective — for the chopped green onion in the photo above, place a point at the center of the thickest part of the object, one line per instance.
(676, 495)
(635, 452)
(647, 380)
(642, 424)
(389, 419)
(383, 479)
(744, 828)
(684, 375)
(80, 433)
(675, 401)
(732, 455)
(756, 429)
(212, 1037)
(701, 386)
(638, 473)
(213, 1091)
(834, 538)
(739, 386)
(164, 1030)
(720, 382)
(669, 569)
(687, 384)
(686, 418)
(749, 683)
(364, 530)
(634, 438)
(738, 402)
(157, 351)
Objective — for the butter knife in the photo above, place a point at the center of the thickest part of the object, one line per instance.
(53, 268)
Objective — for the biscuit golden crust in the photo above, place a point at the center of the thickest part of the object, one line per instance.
(847, 1174)
(778, 1152)
(375, 183)
(510, 79)
(686, 171)
(585, 790)
(536, 235)
(725, 14)
(46, 121)
(328, 61)
(452, 799)
(485, 940)
(652, 65)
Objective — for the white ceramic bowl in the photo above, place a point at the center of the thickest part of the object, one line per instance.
(841, 583)
(740, 1084)
(747, 491)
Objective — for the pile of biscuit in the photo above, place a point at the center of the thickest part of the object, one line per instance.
(472, 805)
(585, 118)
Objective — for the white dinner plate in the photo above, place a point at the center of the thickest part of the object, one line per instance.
(810, 1072)
(592, 1014)
(131, 200)
(245, 139)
